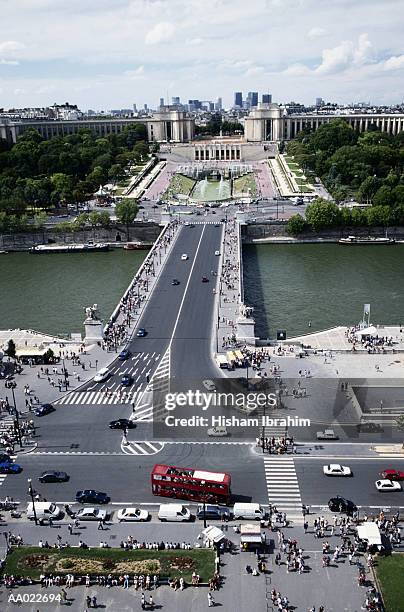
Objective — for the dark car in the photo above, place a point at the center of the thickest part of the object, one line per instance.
(213, 512)
(141, 332)
(44, 409)
(122, 424)
(10, 468)
(340, 504)
(53, 476)
(126, 380)
(175, 281)
(125, 354)
(205, 279)
(89, 496)
(4, 458)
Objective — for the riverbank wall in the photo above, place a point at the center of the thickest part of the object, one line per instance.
(275, 232)
(146, 233)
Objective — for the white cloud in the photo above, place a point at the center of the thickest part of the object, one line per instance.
(10, 46)
(138, 73)
(297, 70)
(19, 91)
(194, 42)
(254, 71)
(161, 32)
(396, 62)
(316, 33)
(4, 62)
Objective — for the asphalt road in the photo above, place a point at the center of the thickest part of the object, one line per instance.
(177, 316)
(316, 489)
(126, 478)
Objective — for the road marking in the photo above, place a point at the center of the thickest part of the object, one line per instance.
(282, 485)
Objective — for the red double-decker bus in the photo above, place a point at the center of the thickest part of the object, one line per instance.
(195, 485)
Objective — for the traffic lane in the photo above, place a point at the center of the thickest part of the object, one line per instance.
(191, 347)
(126, 478)
(80, 427)
(315, 488)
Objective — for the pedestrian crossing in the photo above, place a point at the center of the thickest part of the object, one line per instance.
(149, 406)
(282, 485)
(6, 422)
(100, 397)
(142, 448)
(206, 222)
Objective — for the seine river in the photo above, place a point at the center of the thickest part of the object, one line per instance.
(292, 284)
(289, 285)
(48, 292)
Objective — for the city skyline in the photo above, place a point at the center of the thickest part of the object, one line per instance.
(111, 55)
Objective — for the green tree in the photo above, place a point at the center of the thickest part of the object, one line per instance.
(296, 225)
(322, 214)
(384, 196)
(368, 188)
(126, 212)
(11, 350)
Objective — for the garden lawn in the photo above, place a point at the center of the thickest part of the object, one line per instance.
(33, 561)
(390, 572)
(244, 184)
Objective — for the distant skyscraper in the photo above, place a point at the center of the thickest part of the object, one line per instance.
(145, 107)
(267, 98)
(319, 101)
(175, 100)
(238, 99)
(161, 101)
(252, 98)
(134, 108)
(219, 104)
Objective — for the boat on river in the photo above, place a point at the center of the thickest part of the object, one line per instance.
(88, 247)
(369, 240)
(134, 246)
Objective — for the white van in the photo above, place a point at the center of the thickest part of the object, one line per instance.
(43, 510)
(101, 375)
(174, 512)
(248, 511)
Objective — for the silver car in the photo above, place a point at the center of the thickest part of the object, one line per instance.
(91, 514)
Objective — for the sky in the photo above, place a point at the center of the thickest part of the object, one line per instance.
(105, 54)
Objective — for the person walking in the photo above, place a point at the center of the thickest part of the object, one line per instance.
(143, 601)
(210, 600)
(100, 525)
(88, 601)
(94, 602)
(151, 602)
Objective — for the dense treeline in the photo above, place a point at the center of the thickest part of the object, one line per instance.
(215, 125)
(368, 167)
(37, 175)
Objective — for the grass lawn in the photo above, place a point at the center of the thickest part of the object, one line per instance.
(180, 184)
(390, 572)
(242, 184)
(32, 561)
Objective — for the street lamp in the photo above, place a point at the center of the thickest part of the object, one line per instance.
(12, 386)
(31, 492)
(64, 373)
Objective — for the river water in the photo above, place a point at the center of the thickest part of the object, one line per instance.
(292, 284)
(48, 292)
(289, 285)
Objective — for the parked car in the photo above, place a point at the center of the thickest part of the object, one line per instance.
(387, 485)
(217, 253)
(10, 468)
(44, 409)
(392, 474)
(340, 504)
(126, 380)
(218, 432)
(205, 279)
(335, 469)
(122, 424)
(89, 496)
(102, 375)
(175, 281)
(327, 434)
(213, 511)
(53, 476)
(125, 354)
(209, 384)
(91, 514)
(184, 257)
(141, 332)
(133, 514)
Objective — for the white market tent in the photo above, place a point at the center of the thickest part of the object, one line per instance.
(370, 532)
(367, 331)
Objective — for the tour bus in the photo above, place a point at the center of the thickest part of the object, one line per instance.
(194, 485)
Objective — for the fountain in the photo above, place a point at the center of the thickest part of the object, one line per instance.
(204, 186)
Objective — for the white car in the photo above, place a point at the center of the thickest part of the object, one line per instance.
(335, 469)
(209, 385)
(217, 252)
(102, 375)
(217, 432)
(91, 514)
(387, 485)
(132, 514)
(184, 257)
